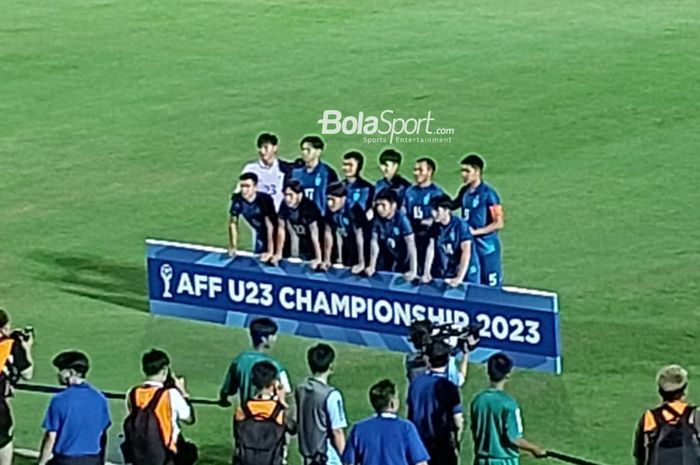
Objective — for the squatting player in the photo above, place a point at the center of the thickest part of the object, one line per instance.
(481, 207)
(258, 209)
(315, 175)
(393, 246)
(347, 228)
(301, 218)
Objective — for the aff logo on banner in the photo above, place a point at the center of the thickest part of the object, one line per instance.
(204, 283)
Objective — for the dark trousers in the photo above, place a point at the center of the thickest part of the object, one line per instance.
(80, 460)
(441, 451)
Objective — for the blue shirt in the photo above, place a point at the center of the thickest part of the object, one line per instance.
(477, 209)
(346, 220)
(417, 205)
(360, 192)
(391, 233)
(315, 182)
(448, 245)
(432, 402)
(398, 183)
(336, 420)
(79, 416)
(384, 440)
(255, 212)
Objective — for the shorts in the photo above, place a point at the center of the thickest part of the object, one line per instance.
(441, 452)
(473, 273)
(5, 423)
(491, 271)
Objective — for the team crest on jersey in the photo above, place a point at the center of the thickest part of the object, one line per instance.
(475, 202)
(452, 235)
(396, 231)
(318, 180)
(426, 199)
(356, 196)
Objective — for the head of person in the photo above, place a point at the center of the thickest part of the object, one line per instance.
(5, 327)
(155, 364)
(424, 170)
(419, 334)
(386, 203)
(383, 398)
(472, 166)
(320, 358)
(72, 367)
(267, 147)
(441, 207)
(672, 382)
(352, 164)
(264, 376)
(499, 367)
(336, 194)
(293, 193)
(248, 185)
(263, 333)
(389, 163)
(311, 149)
(438, 354)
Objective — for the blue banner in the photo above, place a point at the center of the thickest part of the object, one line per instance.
(204, 283)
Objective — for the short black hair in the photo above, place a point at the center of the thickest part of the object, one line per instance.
(358, 157)
(438, 354)
(419, 334)
(267, 138)
(387, 194)
(474, 160)
(390, 155)
(248, 177)
(428, 161)
(262, 328)
(337, 189)
(154, 361)
(295, 186)
(320, 358)
(499, 366)
(74, 360)
(443, 201)
(670, 396)
(381, 394)
(315, 141)
(264, 374)
(4, 317)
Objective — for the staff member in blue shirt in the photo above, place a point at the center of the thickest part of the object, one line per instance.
(315, 175)
(384, 438)
(434, 406)
(77, 419)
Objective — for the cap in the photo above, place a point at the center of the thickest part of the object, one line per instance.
(672, 378)
(72, 359)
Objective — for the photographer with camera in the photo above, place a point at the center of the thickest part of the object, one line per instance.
(15, 363)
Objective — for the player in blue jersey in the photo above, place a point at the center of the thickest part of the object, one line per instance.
(389, 163)
(417, 205)
(347, 228)
(481, 207)
(451, 247)
(258, 209)
(359, 190)
(393, 246)
(315, 175)
(301, 219)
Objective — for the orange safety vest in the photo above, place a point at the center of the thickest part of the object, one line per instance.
(6, 345)
(163, 411)
(260, 408)
(649, 423)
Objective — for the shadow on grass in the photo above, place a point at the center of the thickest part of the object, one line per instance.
(96, 278)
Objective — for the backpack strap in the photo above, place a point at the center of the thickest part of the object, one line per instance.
(246, 411)
(153, 403)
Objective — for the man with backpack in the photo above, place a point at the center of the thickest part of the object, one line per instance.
(669, 434)
(157, 407)
(261, 422)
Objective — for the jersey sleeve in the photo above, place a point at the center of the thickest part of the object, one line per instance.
(235, 208)
(464, 233)
(267, 206)
(493, 202)
(284, 212)
(336, 410)
(181, 410)
(416, 452)
(405, 226)
(332, 176)
(52, 418)
(514, 423)
(284, 381)
(311, 212)
(231, 383)
(457, 201)
(358, 216)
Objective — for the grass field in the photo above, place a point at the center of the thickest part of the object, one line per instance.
(121, 120)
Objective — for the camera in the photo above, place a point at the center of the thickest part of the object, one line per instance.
(459, 337)
(23, 334)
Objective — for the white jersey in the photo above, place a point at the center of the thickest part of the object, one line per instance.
(270, 179)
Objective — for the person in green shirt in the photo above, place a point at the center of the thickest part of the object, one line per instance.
(239, 377)
(496, 423)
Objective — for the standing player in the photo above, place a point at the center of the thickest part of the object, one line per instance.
(393, 246)
(417, 205)
(347, 228)
(315, 175)
(271, 171)
(481, 207)
(258, 209)
(389, 163)
(452, 245)
(359, 190)
(301, 218)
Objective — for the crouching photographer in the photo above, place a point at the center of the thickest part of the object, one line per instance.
(461, 339)
(15, 365)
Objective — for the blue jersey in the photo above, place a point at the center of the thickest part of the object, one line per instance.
(398, 183)
(391, 234)
(478, 208)
(255, 212)
(448, 245)
(315, 182)
(360, 192)
(345, 220)
(417, 205)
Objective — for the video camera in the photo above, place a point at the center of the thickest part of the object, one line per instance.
(464, 338)
(23, 334)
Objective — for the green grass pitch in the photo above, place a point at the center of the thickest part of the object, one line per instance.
(121, 120)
